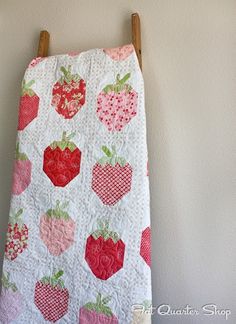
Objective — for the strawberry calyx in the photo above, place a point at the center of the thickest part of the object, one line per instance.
(64, 143)
(111, 157)
(54, 281)
(6, 282)
(26, 88)
(16, 218)
(100, 305)
(67, 76)
(103, 231)
(58, 211)
(119, 85)
(19, 155)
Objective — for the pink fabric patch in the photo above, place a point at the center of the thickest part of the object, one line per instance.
(119, 53)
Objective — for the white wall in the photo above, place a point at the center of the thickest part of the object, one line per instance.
(189, 63)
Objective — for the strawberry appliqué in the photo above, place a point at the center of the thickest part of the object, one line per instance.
(21, 173)
(145, 246)
(97, 312)
(51, 297)
(104, 252)
(29, 105)
(117, 104)
(111, 178)
(57, 229)
(11, 301)
(17, 236)
(119, 53)
(68, 94)
(61, 161)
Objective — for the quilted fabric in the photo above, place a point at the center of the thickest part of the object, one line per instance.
(78, 239)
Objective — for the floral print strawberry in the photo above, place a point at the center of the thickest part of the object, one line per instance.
(21, 172)
(11, 301)
(145, 246)
(117, 104)
(97, 313)
(29, 105)
(61, 161)
(51, 297)
(111, 178)
(68, 94)
(119, 53)
(17, 236)
(104, 251)
(57, 229)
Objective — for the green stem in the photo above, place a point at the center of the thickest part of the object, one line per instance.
(58, 274)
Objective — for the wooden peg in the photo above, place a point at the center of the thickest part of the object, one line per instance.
(136, 36)
(43, 43)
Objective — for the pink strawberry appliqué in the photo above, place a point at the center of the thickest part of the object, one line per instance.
(36, 61)
(21, 172)
(51, 297)
(11, 301)
(97, 313)
(68, 94)
(104, 252)
(57, 229)
(119, 53)
(29, 105)
(61, 161)
(111, 178)
(17, 236)
(117, 104)
(145, 247)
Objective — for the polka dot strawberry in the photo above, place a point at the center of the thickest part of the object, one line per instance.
(68, 94)
(61, 161)
(17, 236)
(51, 297)
(97, 313)
(21, 172)
(119, 53)
(104, 252)
(145, 247)
(117, 104)
(57, 229)
(11, 301)
(29, 105)
(111, 178)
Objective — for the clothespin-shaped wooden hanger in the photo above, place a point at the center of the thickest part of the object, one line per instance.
(136, 39)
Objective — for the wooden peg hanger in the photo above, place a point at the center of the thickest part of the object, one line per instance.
(136, 39)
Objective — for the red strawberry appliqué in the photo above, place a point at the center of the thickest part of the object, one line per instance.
(111, 178)
(117, 104)
(51, 297)
(21, 172)
(104, 252)
(97, 313)
(57, 229)
(17, 236)
(11, 301)
(145, 246)
(29, 105)
(61, 161)
(68, 94)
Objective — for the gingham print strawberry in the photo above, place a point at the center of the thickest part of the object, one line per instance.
(68, 94)
(61, 161)
(145, 246)
(97, 313)
(104, 251)
(117, 104)
(51, 297)
(111, 178)
(142, 313)
(119, 53)
(57, 229)
(21, 172)
(29, 105)
(11, 301)
(17, 236)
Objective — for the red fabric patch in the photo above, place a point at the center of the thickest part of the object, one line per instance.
(145, 247)
(28, 110)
